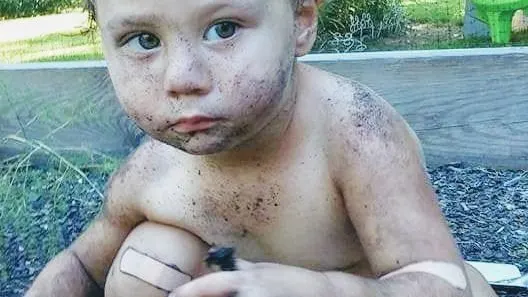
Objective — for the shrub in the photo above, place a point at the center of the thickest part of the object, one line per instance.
(28, 8)
(347, 25)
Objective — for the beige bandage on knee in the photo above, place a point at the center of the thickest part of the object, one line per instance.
(152, 271)
(449, 272)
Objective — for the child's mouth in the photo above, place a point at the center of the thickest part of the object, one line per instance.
(194, 124)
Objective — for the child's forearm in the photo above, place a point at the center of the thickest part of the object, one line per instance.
(64, 276)
(405, 285)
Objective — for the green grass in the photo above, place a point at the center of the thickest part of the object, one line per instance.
(439, 42)
(435, 11)
(20, 182)
(70, 46)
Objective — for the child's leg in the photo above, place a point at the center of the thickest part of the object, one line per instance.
(154, 260)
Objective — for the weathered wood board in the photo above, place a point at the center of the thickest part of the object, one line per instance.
(465, 105)
(68, 109)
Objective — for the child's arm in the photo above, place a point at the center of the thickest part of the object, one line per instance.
(394, 210)
(64, 275)
(77, 271)
(434, 283)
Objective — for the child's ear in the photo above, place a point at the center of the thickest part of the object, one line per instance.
(306, 26)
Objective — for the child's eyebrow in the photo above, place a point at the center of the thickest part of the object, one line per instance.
(149, 20)
(212, 6)
(154, 20)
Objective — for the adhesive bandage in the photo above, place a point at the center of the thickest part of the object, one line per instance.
(152, 271)
(449, 272)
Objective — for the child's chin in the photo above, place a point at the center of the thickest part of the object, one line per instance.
(201, 147)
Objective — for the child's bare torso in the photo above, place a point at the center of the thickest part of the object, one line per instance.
(286, 211)
(283, 206)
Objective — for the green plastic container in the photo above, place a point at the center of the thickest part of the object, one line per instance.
(498, 14)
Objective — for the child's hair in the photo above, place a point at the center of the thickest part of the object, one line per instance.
(90, 6)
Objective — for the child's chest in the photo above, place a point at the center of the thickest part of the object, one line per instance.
(292, 214)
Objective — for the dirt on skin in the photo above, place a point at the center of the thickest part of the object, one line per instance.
(487, 210)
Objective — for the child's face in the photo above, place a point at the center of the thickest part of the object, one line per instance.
(201, 75)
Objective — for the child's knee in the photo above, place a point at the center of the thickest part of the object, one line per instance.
(154, 260)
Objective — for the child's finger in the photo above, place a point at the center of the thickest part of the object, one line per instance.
(245, 265)
(221, 284)
(242, 264)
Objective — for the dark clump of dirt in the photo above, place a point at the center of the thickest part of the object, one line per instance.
(487, 210)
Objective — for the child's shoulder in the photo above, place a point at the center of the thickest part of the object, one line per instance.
(142, 167)
(350, 105)
(357, 118)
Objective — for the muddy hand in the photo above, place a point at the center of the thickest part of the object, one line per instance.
(256, 280)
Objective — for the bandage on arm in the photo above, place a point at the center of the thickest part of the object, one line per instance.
(449, 272)
(152, 271)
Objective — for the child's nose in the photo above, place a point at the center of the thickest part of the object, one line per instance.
(186, 74)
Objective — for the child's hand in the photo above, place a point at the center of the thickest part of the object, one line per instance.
(258, 280)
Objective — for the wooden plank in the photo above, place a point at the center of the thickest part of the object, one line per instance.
(466, 105)
(69, 109)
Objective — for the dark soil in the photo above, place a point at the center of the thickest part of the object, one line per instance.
(50, 228)
(487, 210)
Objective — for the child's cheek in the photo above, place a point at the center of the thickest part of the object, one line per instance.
(136, 90)
(263, 95)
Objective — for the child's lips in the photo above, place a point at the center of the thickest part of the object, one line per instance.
(194, 124)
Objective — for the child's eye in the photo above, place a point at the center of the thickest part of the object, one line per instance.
(144, 42)
(222, 30)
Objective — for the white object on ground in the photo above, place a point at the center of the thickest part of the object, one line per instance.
(494, 272)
